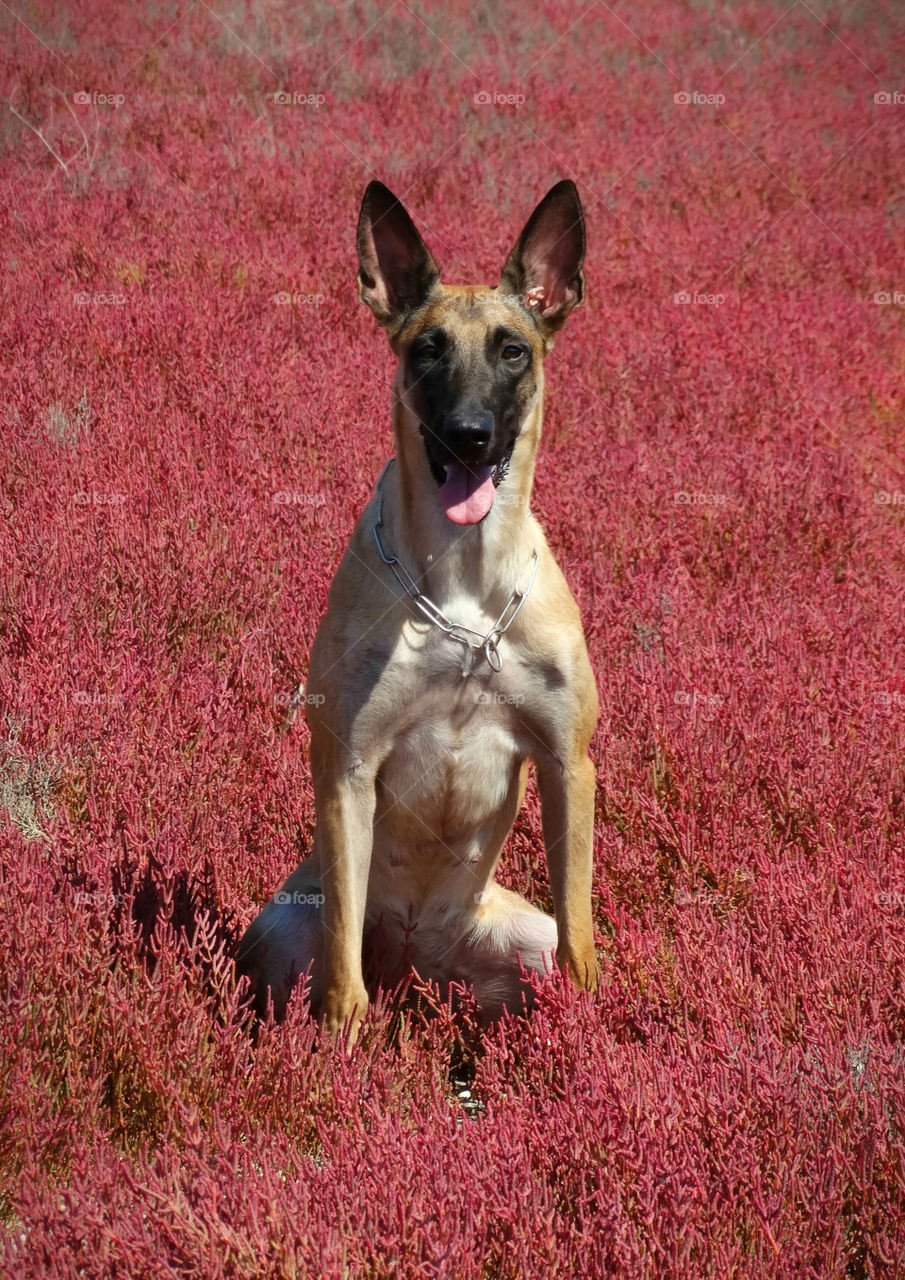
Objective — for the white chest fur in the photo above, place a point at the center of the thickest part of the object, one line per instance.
(452, 754)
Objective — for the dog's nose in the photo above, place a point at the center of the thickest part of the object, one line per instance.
(468, 433)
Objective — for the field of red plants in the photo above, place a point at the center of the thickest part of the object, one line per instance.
(194, 409)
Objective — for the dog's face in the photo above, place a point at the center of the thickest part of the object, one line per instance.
(470, 358)
(470, 370)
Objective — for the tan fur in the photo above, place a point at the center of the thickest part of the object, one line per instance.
(419, 772)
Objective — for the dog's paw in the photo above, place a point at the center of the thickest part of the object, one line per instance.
(343, 1015)
(581, 968)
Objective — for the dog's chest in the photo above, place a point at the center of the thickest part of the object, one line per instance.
(439, 672)
(448, 772)
(455, 744)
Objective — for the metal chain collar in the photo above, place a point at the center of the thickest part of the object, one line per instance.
(487, 644)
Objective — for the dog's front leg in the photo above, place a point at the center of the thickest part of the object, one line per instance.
(567, 810)
(345, 826)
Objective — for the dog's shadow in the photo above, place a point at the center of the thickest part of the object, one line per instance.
(181, 913)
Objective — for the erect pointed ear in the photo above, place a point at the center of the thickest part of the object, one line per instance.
(395, 269)
(544, 268)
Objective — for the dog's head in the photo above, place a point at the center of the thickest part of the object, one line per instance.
(470, 357)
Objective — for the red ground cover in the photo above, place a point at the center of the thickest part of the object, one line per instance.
(723, 480)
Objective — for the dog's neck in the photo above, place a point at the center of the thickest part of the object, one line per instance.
(441, 556)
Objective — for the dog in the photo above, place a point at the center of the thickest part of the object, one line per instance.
(451, 654)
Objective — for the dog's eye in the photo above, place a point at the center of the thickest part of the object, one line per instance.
(512, 352)
(429, 352)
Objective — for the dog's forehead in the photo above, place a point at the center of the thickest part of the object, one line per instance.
(469, 312)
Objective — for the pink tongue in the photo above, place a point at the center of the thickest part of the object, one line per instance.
(466, 495)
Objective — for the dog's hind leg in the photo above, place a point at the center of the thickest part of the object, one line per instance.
(506, 934)
(284, 942)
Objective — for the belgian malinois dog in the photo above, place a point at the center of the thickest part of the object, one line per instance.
(451, 654)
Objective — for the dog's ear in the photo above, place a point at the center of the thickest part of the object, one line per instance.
(544, 268)
(395, 269)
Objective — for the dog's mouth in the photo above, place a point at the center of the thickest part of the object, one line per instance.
(468, 490)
